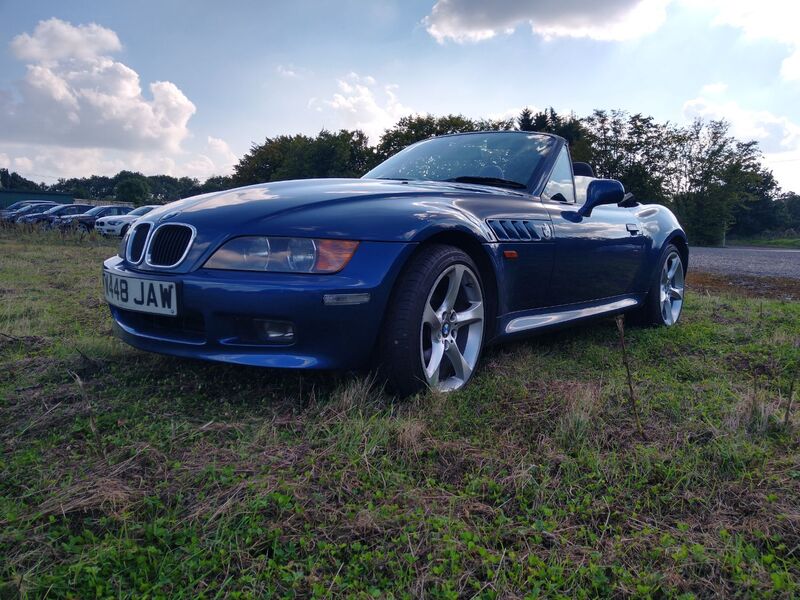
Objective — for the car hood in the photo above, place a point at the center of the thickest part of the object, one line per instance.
(257, 205)
(355, 209)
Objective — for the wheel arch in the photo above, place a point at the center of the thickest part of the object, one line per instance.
(470, 244)
(678, 239)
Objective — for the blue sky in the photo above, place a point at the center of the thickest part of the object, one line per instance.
(185, 87)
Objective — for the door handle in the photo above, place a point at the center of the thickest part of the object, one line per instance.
(633, 228)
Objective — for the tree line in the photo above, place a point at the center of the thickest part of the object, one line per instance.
(712, 181)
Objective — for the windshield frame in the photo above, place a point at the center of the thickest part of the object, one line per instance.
(533, 186)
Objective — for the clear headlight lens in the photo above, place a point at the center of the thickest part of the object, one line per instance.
(283, 255)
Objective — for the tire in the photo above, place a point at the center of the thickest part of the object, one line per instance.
(664, 302)
(435, 324)
(124, 230)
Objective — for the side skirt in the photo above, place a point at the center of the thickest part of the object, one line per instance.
(567, 315)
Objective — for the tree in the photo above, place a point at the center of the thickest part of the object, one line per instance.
(420, 127)
(494, 124)
(15, 181)
(525, 120)
(792, 203)
(342, 154)
(215, 183)
(132, 189)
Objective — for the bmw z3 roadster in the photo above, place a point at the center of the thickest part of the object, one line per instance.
(453, 243)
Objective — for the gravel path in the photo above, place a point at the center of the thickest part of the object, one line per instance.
(763, 262)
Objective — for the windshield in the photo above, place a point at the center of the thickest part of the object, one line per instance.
(142, 210)
(95, 210)
(57, 209)
(33, 208)
(501, 158)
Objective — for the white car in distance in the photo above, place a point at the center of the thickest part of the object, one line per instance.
(119, 224)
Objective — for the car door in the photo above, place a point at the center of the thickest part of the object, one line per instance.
(524, 236)
(596, 256)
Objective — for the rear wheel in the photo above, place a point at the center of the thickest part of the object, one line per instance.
(664, 301)
(434, 328)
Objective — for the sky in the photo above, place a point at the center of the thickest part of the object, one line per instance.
(186, 87)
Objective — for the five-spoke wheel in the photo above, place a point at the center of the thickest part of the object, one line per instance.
(451, 332)
(434, 327)
(671, 288)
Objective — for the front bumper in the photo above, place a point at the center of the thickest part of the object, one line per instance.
(107, 229)
(218, 310)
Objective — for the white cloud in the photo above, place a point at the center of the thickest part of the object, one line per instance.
(287, 71)
(78, 111)
(775, 20)
(221, 149)
(362, 103)
(714, 89)
(22, 163)
(74, 95)
(52, 162)
(477, 20)
(778, 136)
(55, 40)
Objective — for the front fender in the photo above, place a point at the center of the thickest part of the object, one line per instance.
(663, 228)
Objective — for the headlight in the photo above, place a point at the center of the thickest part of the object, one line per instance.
(111, 223)
(286, 255)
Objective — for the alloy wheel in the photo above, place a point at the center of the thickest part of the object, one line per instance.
(672, 289)
(451, 333)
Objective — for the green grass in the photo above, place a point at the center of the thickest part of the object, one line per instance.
(793, 242)
(129, 474)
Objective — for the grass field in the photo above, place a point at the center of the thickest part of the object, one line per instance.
(129, 474)
(793, 242)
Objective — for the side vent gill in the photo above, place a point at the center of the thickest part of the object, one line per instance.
(514, 230)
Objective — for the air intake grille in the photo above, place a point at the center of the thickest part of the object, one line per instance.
(169, 244)
(137, 241)
(513, 229)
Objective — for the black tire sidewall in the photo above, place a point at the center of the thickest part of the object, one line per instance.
(401, 359)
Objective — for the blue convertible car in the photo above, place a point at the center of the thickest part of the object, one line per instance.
(454, 243)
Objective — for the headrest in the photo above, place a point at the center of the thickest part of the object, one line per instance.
(582, 169)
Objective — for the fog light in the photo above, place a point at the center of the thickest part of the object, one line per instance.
(276, 332)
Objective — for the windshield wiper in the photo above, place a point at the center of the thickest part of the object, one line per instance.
(497, 181)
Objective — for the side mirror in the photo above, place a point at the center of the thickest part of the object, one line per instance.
(601, 191)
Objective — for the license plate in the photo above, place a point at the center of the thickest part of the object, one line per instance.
(142, 295)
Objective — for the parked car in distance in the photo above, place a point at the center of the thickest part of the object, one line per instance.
(86, 220)
(51, 216)
(118, 225)
(18, 205)
(453, 243)
(29, 210)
